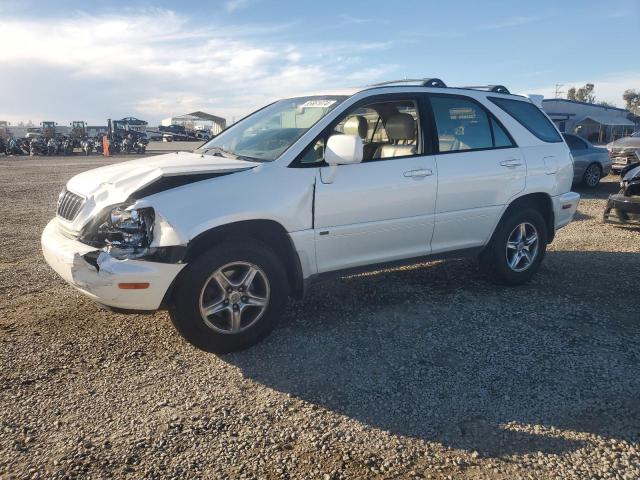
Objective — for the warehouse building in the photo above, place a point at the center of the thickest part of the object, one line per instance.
(198, 121)
(597, 123)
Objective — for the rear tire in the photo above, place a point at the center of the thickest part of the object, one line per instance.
(592, 175)
(516, 249)
(198, 290)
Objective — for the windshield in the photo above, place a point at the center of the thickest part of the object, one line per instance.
(269, 132)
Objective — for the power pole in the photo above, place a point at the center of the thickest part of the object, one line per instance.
(558, 91)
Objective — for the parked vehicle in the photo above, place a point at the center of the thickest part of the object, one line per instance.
(87, 145)
(53, 146)
(66, 145)
(624, 151)
(590, 163)
(38, 146)
(17, 146)
(624, 207)
(312, 187)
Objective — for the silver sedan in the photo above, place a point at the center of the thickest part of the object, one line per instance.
(591, 163)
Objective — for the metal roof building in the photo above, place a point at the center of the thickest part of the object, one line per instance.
(597, 123)
(198, 121)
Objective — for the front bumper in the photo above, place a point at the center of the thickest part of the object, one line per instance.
(565, 207)
(66, 257)
(622, 209)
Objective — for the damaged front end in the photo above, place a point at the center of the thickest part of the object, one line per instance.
(127, 233)
(624, 207)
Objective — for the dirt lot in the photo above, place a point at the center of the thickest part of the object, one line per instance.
(425, 372)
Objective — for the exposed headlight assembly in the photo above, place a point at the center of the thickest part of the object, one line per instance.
(125, 232)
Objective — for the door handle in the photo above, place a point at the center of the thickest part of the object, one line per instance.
(514, 162)
(426, 172)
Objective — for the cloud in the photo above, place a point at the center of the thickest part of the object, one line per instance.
(155, 63)
(514, 21)
(233, 5)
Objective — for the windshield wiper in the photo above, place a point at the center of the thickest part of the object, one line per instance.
(219, 152)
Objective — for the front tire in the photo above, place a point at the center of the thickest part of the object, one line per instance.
(516, 249)
(230, 297)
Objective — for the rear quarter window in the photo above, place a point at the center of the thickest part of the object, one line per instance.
(530, 117)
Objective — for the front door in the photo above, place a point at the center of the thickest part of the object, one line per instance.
(382, 209)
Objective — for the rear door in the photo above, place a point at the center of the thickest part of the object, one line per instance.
(480, 168)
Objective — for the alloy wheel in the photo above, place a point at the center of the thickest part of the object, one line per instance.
(592, 175)
(522, 247)
(234, 297)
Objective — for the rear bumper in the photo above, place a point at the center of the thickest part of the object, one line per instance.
(565, 207)
(66, 257)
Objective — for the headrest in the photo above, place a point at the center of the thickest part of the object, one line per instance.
(356, 125)
(401, 126)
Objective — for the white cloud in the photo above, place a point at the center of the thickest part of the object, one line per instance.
(233, 5)
(514, 21)
(154, 63)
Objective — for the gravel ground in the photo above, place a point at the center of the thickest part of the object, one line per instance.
(421, 372)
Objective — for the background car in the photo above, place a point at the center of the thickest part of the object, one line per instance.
(591, 163)
(624, 151)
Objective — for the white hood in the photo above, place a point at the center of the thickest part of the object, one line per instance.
(122, 179)
(114, 184)
(127, 177)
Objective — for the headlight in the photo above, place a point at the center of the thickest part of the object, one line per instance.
(127, 232)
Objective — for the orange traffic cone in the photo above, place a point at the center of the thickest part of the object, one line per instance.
(105, 146)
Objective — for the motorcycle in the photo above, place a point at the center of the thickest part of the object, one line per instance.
(98, 144)
(53, 146)
(17, 146)
(86, 144)
(66, 146)
(37, 146)
(140, 145)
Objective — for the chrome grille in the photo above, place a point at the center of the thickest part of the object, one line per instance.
(623, 156)
(69, 204)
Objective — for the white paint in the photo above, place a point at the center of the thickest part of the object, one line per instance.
(369, 212)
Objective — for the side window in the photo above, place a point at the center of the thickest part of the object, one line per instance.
(500, 138)
(461, 124)
(575, 143)
(530, 117)
(387, 129)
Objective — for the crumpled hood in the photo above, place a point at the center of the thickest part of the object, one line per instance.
(632, 174)
(122, 179)
(626, 142)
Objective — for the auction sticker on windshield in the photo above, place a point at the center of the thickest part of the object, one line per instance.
(317, 103)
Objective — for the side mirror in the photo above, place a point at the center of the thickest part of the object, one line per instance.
(343, 150)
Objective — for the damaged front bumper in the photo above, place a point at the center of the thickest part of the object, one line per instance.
(98, 275)
(622, 209)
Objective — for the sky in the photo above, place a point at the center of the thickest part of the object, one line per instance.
(88, 60)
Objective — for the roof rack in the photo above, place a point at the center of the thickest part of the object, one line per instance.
(437, 83)
(425, 82)
(490, 88)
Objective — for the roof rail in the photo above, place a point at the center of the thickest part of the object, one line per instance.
(490, 88)
(425, 82)
(437, 83)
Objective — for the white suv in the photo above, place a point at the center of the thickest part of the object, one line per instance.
(315, 186)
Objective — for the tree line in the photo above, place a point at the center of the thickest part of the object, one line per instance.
(586, 94)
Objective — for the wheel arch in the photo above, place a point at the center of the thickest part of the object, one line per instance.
(540, 201)
(269, 232)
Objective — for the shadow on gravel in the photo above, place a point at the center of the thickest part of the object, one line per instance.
(437, 353)
(601, 192)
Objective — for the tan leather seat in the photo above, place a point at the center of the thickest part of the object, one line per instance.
(400, 127)
(356, 125)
